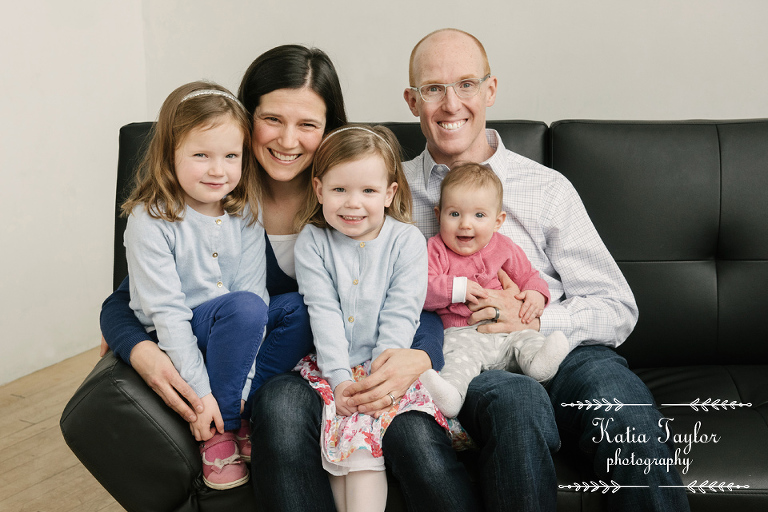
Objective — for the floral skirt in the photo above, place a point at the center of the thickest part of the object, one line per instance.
(353, 443)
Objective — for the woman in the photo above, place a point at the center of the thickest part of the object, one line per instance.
(294, 97)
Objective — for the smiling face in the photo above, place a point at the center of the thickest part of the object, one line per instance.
(354, 195)
(288, 125)
(209, 163)
(454, 127)
(468, 218)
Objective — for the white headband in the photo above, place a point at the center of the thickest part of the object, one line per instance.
(394, 157)
(211, 92)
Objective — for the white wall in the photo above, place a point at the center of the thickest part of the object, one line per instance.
(555, 59)
(72, 73)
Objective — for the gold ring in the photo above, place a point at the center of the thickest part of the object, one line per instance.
(391, 397)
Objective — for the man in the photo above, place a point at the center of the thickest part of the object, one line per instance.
(516, 422)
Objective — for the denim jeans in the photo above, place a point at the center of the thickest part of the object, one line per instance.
(286, 467)
(598, 372)
(289, 338)
(229, 330)
(515, 422)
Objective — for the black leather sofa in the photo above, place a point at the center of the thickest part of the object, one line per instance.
(683, 208)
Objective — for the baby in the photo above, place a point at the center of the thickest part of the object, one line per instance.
(464, 260)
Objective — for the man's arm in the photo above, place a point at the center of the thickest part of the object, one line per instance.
(597, 306)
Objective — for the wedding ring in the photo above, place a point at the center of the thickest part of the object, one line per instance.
(391, 397)
(498, 312)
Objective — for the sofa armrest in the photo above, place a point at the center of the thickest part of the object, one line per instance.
(113, 416)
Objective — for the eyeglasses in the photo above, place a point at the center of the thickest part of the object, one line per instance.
(467, 88)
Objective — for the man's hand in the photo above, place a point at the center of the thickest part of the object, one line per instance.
(201, 427)
(342, 408)
(509, 309)
(157, 370)
(392, 372)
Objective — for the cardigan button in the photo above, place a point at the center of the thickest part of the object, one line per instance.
(219, 284)
(218, 221)
(215, 255)
(355, 281)
(351, 319)
(362, 244)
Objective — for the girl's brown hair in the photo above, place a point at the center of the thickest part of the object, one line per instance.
(350, 143)
(157, 187)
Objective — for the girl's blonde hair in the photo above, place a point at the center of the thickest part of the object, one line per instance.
(156, 185)
(350, 143)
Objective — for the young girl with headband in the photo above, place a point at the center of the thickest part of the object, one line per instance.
(196, 262)
(362, 269)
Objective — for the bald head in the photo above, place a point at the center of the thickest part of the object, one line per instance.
(440, 37)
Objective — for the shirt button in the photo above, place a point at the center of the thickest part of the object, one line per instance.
(219, 284)
(218, 221)
(351, 319)
(354, 282)
(362, 244)
(215, 255)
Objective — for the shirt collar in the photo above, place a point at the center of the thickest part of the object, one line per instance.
(495, 162)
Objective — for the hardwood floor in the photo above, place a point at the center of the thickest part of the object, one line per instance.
(39, 472)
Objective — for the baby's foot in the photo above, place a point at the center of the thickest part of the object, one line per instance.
(541, 361)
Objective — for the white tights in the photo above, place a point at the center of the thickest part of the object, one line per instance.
(360, 491)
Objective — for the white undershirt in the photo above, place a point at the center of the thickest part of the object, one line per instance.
(282, 245)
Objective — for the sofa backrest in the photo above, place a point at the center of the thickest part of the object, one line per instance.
(682, 206)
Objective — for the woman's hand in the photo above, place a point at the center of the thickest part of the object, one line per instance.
(509, 309)
(392, 372)
(201, 427)
(342, 407)
(104, 348)
(157, 370)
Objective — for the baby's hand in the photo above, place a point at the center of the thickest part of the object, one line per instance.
(201, 428)
(342, 409)
(475, 292)
(533, 305)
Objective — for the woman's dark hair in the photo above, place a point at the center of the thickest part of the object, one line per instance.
(293, 66)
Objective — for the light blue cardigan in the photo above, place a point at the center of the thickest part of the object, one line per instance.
(363, 297)
(173, 270)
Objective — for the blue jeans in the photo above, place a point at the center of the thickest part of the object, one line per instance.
(229, 330)
(289, 338)
(515, 422)
(598, 372)
(286, 465)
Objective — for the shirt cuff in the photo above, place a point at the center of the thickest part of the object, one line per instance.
(338, 376)
(459, 293)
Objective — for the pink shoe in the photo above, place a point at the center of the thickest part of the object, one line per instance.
(244, 440)
(222, 466)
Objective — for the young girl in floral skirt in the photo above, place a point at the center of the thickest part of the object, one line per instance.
(362, 269)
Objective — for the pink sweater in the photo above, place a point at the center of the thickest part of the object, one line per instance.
(482, 267)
